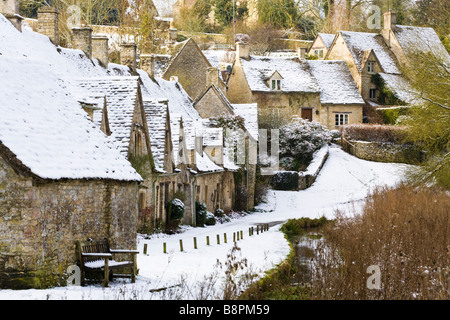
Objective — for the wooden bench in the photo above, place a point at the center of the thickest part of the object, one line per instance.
(96, 257)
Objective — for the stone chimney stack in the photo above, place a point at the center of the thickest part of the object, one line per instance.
(390, 20)
(128, 56)
(100, 49)
(243, 50)
(301, 53)
(48, 23)
(82, 40)
(10, 9)
(212, 77)
(147, 63)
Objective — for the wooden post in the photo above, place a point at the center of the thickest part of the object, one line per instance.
(181, 245)
(218, 239)
(242, 235)
(145, 248)
(195, 243)
(106, 272)
(225, 238)
(164, 247)
(237, 235)
(257, 229)
(234, 236)
(207, 240)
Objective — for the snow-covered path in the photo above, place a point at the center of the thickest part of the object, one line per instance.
(343, 182)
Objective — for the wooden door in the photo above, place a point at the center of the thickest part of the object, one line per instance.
(307, 114)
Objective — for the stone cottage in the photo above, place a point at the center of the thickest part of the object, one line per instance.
(321, 45)
(295, 87)
(61, 178)
(190, 67)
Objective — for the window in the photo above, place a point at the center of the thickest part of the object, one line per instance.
(373, 93)
(276, 84)
(341, 119)
(318, 53)
(371, 67)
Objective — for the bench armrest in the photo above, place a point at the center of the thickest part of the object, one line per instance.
(98, 255)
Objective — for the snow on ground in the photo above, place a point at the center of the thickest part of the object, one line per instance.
(343, 181)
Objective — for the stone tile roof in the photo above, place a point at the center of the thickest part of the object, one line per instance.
(296, 74)
(421, 39)
(336, 82)
(121, 96)
(359, 42)
(157, 115)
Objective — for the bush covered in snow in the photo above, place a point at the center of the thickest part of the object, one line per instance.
(298, 142)
(200, 213)
(176, 209)
(210, 219)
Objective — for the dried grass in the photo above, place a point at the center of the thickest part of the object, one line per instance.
(403, 231)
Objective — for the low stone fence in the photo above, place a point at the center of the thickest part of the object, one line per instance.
(383, 152)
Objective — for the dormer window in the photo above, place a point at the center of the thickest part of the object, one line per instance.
(276, 84)
(371, 66)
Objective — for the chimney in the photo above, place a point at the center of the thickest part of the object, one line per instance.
(212, 77)
(82, 40)
(10, 9)
(243, 50)
(48, 23)
(173, 35)
(128, 56)
(100, 49)
(147, 63)
(390, 20)
(301, 53)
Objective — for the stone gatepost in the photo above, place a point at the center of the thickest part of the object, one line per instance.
(82, 40)
(147, 63)
(100, 49)
(48, 23)
(128, 56)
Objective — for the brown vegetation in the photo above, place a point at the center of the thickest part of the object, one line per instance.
(404, 232)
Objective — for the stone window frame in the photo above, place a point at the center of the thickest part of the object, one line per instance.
(371, 67)
(341, 119)
(372, 93)
(276, 84)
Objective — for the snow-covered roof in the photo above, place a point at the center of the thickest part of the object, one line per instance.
(421, 39)
(336, 82)
(165, 7)
(327, 39)
(156, 114)
(249, 112)
(401, 87)
(205, 164)
(359, 42)
(41, 123)
(121, 95)
(296, 74)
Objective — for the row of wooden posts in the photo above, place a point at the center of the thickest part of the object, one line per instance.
(237, 236)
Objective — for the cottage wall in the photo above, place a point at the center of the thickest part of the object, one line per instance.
(190, 66)
(40, 222)
(328, 112)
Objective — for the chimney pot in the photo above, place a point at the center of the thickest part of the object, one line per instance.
(147, 63)
(82, 39)
(48, 23)
(243, 50)
(128, 56)
(100, 49)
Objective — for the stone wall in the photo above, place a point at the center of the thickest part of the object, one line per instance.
(383, 152)
(41, 220)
